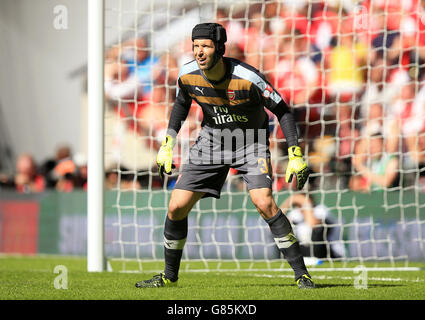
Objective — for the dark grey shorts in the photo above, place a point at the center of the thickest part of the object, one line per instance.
(207, 167)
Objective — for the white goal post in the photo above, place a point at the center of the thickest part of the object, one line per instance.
(95, 191)
(352, 73)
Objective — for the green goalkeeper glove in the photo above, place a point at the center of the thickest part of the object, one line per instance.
(164, 159)
(297, 166)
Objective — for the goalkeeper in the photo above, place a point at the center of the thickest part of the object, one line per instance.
(232, 96)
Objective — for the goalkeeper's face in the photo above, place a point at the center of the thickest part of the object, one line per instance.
(204, 51)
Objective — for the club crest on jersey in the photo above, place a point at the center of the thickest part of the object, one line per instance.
(231, 94)
(267, 91)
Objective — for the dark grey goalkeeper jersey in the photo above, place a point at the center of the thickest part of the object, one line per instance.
(235, 102)
(235, 127)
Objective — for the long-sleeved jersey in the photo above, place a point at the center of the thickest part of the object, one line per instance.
(237, 101)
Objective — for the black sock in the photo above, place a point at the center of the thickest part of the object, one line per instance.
(175, 233)
(287, 243)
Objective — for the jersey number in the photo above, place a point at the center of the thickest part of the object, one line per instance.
(264, 165)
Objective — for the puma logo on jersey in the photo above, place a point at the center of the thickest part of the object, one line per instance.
(200, 90)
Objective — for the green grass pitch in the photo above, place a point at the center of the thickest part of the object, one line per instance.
(33, 278)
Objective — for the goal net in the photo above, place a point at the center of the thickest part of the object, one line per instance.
(352, 73)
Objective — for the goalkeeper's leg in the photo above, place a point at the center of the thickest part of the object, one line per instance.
(175, 233)
(283, 234)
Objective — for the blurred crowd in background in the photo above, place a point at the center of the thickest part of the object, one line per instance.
(63, 172)
(351, 71)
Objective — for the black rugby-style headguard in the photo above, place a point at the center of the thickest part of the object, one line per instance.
(214, 32)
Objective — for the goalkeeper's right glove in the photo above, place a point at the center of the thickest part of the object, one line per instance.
(297, 166)
(164, 159)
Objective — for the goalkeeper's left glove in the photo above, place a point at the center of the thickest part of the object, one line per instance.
(297, 166)
(164, 159)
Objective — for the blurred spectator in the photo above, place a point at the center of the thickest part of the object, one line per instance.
(234, 28)
(50, 169)
(377, 121)
(140, 88)
(346, 62)
(294, 66)
(111, 179)
(392, 105)
(324, 26)
(27, 179)
(411, 126)
(130, 78)
(140, 62)
(235, 31)
(6, 182)
(416, 157)
(296, 75)
(376, 168)
(322, 161)
(183, 52)
(380, 90)
(290, 38)
(128, 179)
(65, 169)
(46, 170)
(65, 183)
(258, 42)
(345, 65)
(119, 84)
(408, 108)
(154, 110)
(415, 122)
(347, 133)
(64, 163)
(128, 70)
(80, 176)
(314, 226)
(122, 179)
(234, 51)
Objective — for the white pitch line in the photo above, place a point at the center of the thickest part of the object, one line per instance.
(280, 270)
(324, 277)
(309, 269)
